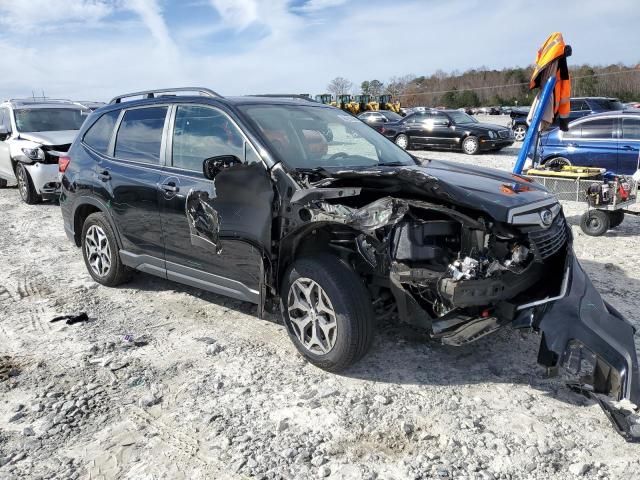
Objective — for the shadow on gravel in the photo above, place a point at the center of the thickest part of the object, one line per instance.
(402, 355)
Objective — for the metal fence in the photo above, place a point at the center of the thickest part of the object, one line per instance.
(566, 189)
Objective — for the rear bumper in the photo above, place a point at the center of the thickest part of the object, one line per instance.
(592, 340)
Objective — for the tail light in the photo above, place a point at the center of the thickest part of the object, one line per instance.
(63, 163)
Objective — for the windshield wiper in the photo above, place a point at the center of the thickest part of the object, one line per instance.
(307, 170)
(393, 164)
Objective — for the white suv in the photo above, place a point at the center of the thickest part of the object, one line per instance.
(33, 133)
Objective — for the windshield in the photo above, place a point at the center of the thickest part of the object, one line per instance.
(317, 137)
(49, 119)
(461, 118)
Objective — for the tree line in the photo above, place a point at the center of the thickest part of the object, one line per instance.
(483, 87)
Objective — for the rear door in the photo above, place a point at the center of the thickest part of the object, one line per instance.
(215, 232)
(629, 146)
(127, 181)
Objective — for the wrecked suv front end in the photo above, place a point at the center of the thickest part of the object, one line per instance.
(462, 263)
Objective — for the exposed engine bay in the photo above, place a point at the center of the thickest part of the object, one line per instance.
(457, 273)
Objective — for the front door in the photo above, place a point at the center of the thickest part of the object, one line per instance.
(6, 171)
(216, 232)
(629, 146)
(127, 181)
(597, 144)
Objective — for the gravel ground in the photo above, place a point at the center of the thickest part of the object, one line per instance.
(165, 381)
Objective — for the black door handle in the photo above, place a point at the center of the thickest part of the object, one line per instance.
(104, 175)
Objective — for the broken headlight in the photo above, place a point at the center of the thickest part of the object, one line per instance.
(33, 153)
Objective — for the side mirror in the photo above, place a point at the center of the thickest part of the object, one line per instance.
(214, 165)
(4, 132)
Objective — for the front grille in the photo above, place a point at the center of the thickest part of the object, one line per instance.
(548, 241)
(504, 133)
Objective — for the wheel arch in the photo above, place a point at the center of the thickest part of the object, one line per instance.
(84, 207)
(312, 238)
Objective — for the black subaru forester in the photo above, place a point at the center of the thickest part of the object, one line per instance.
(287, 201)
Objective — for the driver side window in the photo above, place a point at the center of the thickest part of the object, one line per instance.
(203, 132)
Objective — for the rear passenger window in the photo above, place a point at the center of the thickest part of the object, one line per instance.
(99, 135)
(140, 134)
(631, 128)
(601, 129)
(201, 133)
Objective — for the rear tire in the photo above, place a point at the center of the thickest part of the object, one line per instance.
(25, 186)
(595, 222)
(557, 163)
(100, 251)
(402, 141)
(312, 288)
(471, 145)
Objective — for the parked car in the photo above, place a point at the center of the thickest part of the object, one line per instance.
(608, 140)
(90, 104)
(377, 119)
(519, 123)
(33, 132)
(447, 129)
(246, 197)
(488, 111)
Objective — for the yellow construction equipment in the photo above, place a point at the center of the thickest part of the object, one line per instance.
(365, 104)
(346, 103)
(567, 171)
(385, 103)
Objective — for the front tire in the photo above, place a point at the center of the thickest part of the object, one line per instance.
(25, 186)
(402, 141)
(595, 222)
(101, 253)
(519, 132)
(471, 145)
(327, 311)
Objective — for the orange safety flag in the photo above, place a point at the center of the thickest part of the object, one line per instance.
(552, 60)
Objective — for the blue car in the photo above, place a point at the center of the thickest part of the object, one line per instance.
(608, 140)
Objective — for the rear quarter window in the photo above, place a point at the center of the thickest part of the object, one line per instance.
(99, 134)
(139, 137)
(601, 129)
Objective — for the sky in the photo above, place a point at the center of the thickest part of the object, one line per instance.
(96, 49)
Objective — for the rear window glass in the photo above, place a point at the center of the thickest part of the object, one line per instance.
(140, 134)
(99, 135)
(631, 128)
(609, 104)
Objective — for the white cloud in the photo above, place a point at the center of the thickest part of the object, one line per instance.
(317, 5)
(237, 13)
(31, 14)
(151, 15)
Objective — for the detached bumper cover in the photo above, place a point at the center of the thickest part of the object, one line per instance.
(591, 339)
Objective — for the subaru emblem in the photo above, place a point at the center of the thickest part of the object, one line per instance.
(547, 217)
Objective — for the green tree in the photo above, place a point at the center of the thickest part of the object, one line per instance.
(365, 87)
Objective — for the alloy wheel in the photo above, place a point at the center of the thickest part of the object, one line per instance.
(23, 184)
(98, 250)
(519, 133)
(470, 146)
(402, 141)
(312, 317)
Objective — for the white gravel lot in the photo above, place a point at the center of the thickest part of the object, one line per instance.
(208, 390)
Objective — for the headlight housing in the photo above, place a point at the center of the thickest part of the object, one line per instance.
(33, 153)
(492, 134)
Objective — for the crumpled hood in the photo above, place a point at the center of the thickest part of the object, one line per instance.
(62, 137)
(492, 191)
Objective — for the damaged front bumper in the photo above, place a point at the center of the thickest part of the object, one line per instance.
(590, 339)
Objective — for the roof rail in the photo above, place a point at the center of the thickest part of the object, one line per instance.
(153, 93)
(40, 100)
(286, 95)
